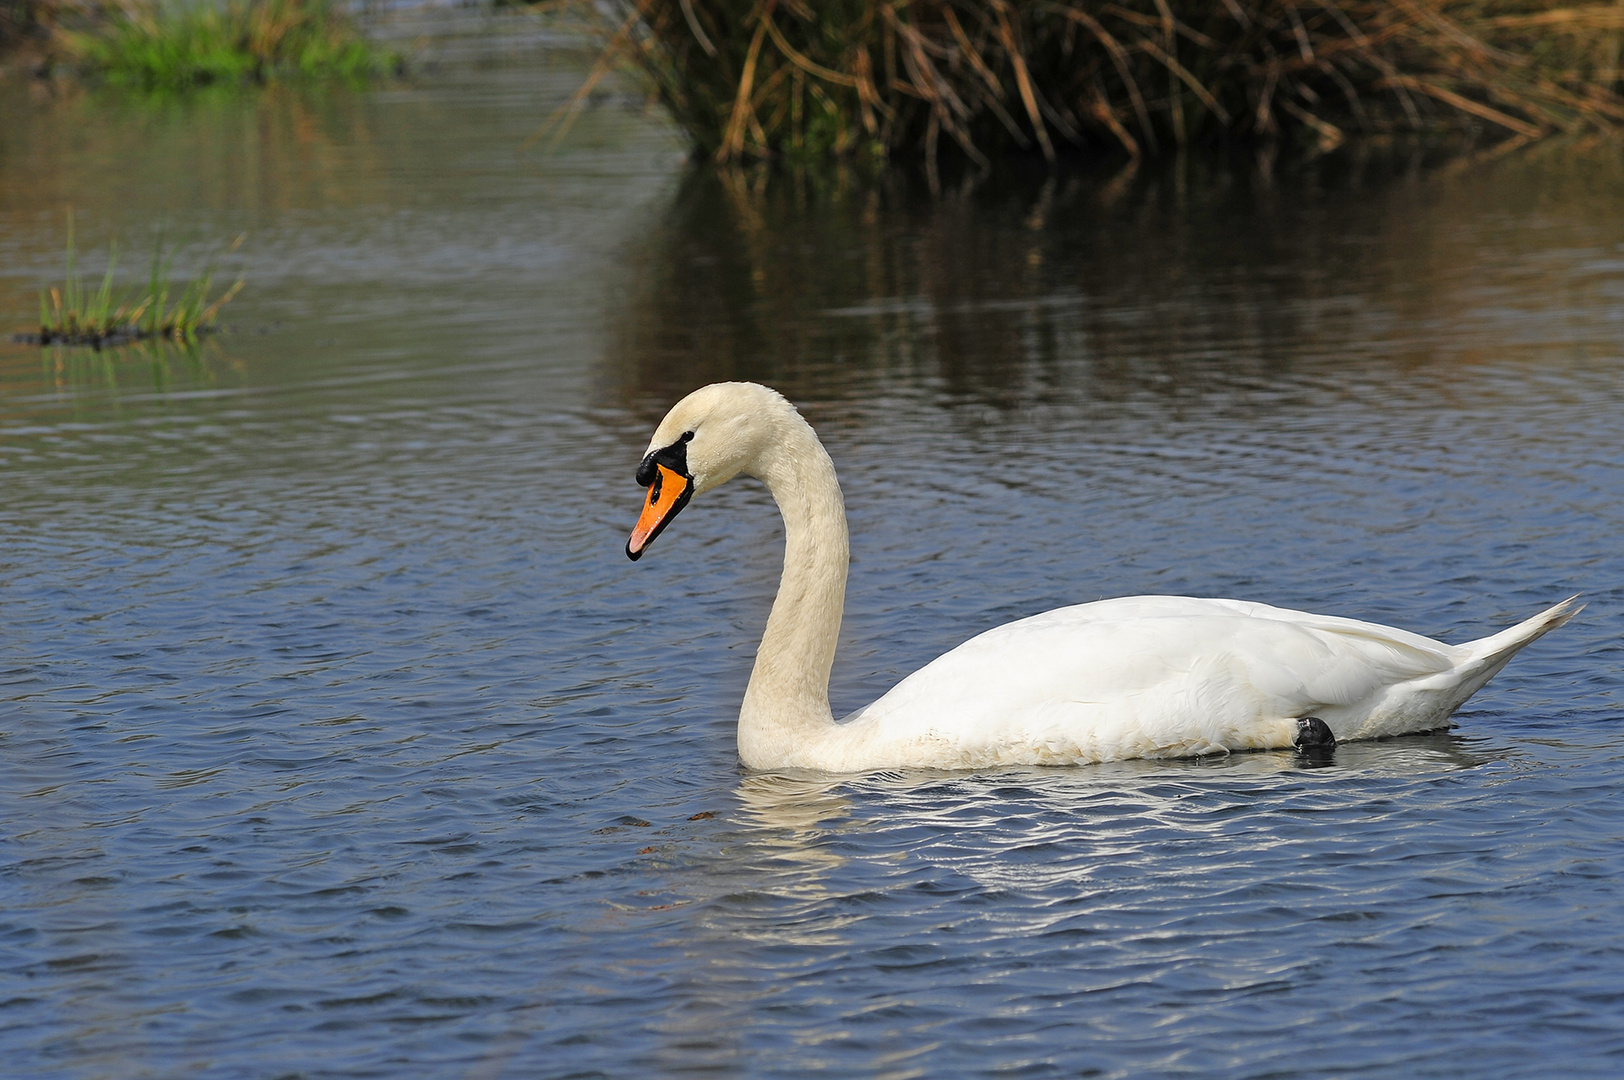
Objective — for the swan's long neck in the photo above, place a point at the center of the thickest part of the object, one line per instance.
(786, 709)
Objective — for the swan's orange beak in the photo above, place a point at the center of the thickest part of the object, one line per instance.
(668, 494)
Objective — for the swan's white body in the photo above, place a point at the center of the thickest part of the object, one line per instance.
(1135, 677)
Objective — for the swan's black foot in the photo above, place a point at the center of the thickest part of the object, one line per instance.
(1313, 736)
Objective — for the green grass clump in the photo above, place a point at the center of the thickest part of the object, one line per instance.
(789, 80)
(145, 46)
(73, 315)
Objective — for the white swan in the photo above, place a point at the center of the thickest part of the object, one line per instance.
(1139, 676)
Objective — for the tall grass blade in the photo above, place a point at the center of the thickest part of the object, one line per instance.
(98, 314)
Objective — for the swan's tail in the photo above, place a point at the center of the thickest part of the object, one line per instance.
(1488, 655)
(1498, 648)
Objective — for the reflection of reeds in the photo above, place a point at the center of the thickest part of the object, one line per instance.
(793, 79)
(71, 315)
(1188, 277)
(155, 362)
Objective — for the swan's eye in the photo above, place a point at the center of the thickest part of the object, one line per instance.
(673, 457)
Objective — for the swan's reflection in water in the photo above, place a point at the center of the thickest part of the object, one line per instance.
(1089, 828)
(792, 805)
(825, 905)
(796, 842)
(763, 919)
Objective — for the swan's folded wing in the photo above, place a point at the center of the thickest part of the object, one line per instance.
(1151, 676)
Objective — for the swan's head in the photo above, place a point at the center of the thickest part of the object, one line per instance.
(707, 439)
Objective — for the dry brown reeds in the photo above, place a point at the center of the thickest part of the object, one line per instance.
(805, 79)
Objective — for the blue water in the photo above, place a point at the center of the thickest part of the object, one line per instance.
(338, 738)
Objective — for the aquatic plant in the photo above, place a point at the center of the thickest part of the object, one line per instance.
(147, 46)
(790, 79)
(72, 315)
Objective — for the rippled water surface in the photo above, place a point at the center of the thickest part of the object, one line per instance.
(338, 738)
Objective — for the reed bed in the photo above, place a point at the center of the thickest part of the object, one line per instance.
(148, 45)
(71, 314)
(796, 80)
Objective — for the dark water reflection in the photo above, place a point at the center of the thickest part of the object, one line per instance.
(1201, 278)
(338, 737)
